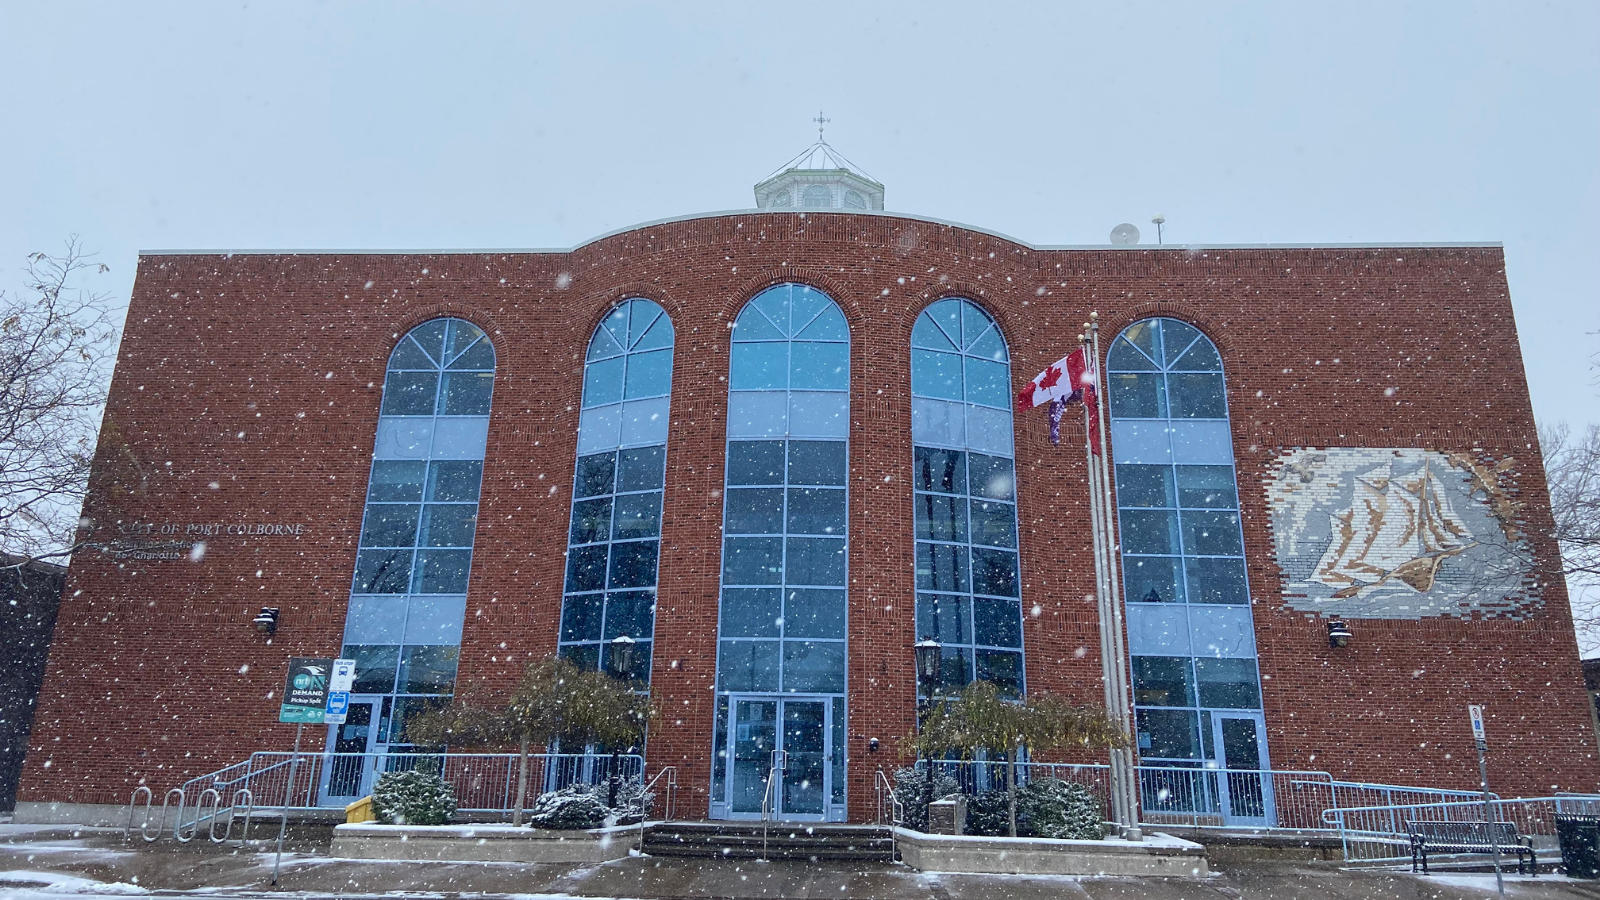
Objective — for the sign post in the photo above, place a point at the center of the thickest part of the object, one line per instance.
(305, 699)
(1481, 739)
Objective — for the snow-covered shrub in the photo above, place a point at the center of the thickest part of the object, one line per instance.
(1046, 807)
(578, 806)
(911, 789)
(987, 814)
(415, 797)
(1053, 808)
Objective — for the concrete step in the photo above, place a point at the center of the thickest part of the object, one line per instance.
(784, 840)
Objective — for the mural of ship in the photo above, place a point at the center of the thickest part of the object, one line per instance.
(1397, 530)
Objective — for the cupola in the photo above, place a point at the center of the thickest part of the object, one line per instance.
(819, 178)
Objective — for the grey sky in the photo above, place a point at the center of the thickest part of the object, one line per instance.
(342, 125)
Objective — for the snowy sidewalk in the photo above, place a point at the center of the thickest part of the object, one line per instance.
(60, 864)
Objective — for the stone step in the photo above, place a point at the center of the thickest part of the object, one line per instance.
(784, 840)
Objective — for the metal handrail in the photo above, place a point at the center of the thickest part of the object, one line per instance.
(767, 804)
(671, 774)
(897, 811)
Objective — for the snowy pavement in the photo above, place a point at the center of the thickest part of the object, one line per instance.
(63, 865)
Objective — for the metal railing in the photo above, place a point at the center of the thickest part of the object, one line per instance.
(483, 782)
(647, 796)
(769, 803)
(1379, 834)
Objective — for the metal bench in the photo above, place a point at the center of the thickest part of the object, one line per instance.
(1468, 837)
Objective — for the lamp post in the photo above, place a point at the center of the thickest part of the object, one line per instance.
(622, 648)
(929, 667)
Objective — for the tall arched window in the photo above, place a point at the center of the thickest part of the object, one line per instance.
(1190, 634)
(781, 652)
(614, 543)
(409, 595)
(964, 485)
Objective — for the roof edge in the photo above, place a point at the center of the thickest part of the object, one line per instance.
(1190, 247)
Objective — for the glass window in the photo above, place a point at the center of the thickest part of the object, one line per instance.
(964, 491)
(617, 492)
(1181, 538)
(421, 516)
(785, 504)
(390, 525)
(428, 670)
(1228, 683)
(1162, 681)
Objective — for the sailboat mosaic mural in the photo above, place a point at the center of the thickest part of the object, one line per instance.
(1399, 534)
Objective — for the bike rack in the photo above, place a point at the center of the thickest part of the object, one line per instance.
(133, 805)
(161, 824)
(249, 808)
(199, 814)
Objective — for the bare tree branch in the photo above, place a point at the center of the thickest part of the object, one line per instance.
(1572, 467)
(57, 345)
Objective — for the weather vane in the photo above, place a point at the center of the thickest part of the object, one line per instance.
(820, 122)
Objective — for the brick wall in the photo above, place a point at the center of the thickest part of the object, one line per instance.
(248, 391)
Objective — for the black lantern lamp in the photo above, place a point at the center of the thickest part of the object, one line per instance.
(929, 662)
(266, 621)
(1339, 633)
(622, 648)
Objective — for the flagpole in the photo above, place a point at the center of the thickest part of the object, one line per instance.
(1124, 698)
(1119, 813)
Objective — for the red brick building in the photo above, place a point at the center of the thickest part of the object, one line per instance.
(825, 508)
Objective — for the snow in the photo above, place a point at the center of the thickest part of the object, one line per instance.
(18, 884)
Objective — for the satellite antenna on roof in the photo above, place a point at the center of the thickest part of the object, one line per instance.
(1124, 235)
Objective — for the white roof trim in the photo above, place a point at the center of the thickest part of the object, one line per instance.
(1398, 245)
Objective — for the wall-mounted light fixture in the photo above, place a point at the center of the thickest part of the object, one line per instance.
(1339, 634)
(622, 648)
(266, 621)
(872, 745)
(928, 654)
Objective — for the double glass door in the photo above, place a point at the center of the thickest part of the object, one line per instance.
(358, 747)
(781, 747)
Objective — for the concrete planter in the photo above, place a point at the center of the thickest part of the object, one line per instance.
(481, 843)
(1157, 854)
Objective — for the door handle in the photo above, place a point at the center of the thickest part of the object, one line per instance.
(780, 760)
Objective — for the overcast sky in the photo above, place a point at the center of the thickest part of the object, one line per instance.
(342, 125)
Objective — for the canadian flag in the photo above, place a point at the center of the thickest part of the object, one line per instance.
(1068, 380)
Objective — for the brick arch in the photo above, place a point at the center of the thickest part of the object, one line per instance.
(1001, 314)
(854, 315)
(1188, 313)
(615, 296)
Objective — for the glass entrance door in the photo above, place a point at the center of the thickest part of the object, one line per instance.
(348, 771)
(1245, 793)
(788, 738)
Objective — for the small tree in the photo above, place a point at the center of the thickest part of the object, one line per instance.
(554, 701)
(980, 720)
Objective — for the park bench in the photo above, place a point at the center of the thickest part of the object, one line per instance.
(1468, 837)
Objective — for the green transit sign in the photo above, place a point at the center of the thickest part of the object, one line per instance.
(305, 692)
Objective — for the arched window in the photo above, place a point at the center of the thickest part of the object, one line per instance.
(1190, 633)
(614, 543)
(785, 525)
(818, 197)
(408, 599)
(964, 485)
(780, 199)
(854, 200)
